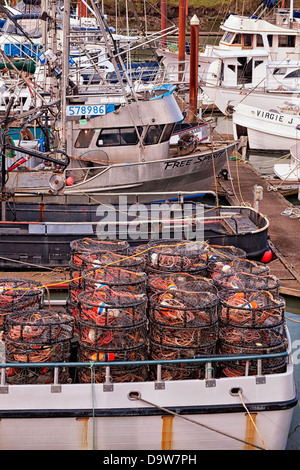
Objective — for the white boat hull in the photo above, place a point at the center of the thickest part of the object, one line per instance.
(224, 97)
(266, 130)
(46, 417)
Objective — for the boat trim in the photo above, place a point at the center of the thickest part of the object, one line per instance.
(151, 411)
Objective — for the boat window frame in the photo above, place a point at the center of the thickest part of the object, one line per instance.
(246, 46)
(259, 36)
(167, 132)
(231, 36)
(293, 74)
(237, 40)
(288, 37)
(84, 133)
(119, 140)
(155, 135)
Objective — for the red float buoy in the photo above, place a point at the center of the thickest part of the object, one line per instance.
(267, 256)
(69, 181)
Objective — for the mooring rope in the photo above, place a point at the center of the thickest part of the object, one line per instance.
(137, 396)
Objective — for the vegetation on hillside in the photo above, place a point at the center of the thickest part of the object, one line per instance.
(210, 12)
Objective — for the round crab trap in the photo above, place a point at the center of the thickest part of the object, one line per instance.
(244, 282)
(255, 338)
(251, 309)
(115, 277)
(179, 371)
(140, 250)
(99, 374)
(18, 352)
(19, 294)
(178, 256)
(80, 248)
(179, 281)
(106, 258)
(193, 309)
(39, 326)
(107, 307)
(112, 338)
(243, 367)
(72, 303)
(225, 253)
(37, 336)
(237, 265)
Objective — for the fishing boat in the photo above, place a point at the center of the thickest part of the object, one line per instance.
(289, 171)
(42, 231)
(118, 139)
(267, 129)
(257, 58)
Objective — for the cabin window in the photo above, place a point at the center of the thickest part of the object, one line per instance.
(257, 63)
(153, 134)
(228, 37)
(237, 39)
(280, 71)
(286, 41)
(259, 41)
(247, 39)
(167, 132)
(270, 40)
(84, 138)
(293, 74)
(122, 136)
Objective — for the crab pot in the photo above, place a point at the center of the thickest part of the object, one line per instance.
(17, 295)
(116, 278)
(179, 371)
(184, 337)
(179, 281)
(107, 307)
(252, 337)
(241, 367)
(245, 282)
(181, 308)
(225, 253)
(112, 338)
(260, 309)
(183, 325)
(116, 374)
(72, 302)
(106, 258)
(178, 256)
(140, 250)
(37, 336)
(19, 352)
(217, 268)
(80, 248)
(72, 308)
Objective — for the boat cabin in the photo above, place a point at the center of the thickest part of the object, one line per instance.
(232, 68)
(279, 36)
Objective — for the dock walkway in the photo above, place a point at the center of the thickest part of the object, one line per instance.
(284, 229)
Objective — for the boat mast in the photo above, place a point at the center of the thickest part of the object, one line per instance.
(291, 12)
(65, 74)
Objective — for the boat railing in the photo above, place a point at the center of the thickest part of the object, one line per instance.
(208, 362)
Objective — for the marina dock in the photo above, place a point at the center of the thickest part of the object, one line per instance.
(284, 224)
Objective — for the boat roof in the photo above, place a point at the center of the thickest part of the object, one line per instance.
(225, 53)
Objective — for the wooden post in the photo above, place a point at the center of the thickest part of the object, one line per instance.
(163, 24)
(193, 95)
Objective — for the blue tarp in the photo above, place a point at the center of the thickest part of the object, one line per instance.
(269, 3)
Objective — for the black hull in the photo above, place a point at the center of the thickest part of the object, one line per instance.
(46, 242)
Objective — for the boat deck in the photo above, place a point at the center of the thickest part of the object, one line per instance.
(284, 227)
